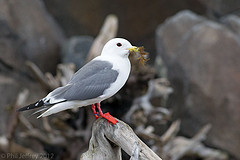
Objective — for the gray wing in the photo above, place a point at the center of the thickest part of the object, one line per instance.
(89, 82)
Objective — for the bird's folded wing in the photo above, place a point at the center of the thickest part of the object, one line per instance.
(89, 82)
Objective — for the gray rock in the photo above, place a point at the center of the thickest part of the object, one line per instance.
(173, 31)
(218, 8)
(203, 67)
(233, 23)
(81, 17)
(75, 50)
(28, 32)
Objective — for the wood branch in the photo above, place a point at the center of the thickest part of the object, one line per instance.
(65, 72)
(181, 146)
(107, 32)
(108, 139)
(25, 122)
(184, 149)
(160, 140)
(47, 80)
(171, 132)
(48, 138)
(13, 118)
(40, 76)
(156, 88)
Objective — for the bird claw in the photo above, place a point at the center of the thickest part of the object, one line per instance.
(110, 118)
(107, 116)
(96, 115)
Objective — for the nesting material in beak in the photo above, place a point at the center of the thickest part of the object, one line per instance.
(139, 50)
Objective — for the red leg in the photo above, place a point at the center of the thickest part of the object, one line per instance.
(107, 116)
(99, 109)
(94, 111)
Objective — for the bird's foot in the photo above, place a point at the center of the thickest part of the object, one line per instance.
(110, 118)
(107, 116)
(94, 111)
(96, 115)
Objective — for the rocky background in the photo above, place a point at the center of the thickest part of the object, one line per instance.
(191, 83)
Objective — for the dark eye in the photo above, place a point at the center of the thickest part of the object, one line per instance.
(119, 44)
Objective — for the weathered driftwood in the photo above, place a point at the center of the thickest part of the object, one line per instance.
(47, 80)
(8, 146)
(108, 139)
(13, 118)
(179, 147)
(37, 73)
(107, 32)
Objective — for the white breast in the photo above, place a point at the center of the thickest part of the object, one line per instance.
(123, 66)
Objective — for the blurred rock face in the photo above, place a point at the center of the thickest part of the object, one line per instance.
(138, 19)
(75, 50)
(202, 58)
(28, 32)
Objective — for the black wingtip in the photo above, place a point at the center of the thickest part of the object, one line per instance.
(24, 108)
(31, 106)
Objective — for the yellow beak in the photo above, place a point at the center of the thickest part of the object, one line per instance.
(133, 49)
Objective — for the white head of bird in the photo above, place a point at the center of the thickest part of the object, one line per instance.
(118, 46)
